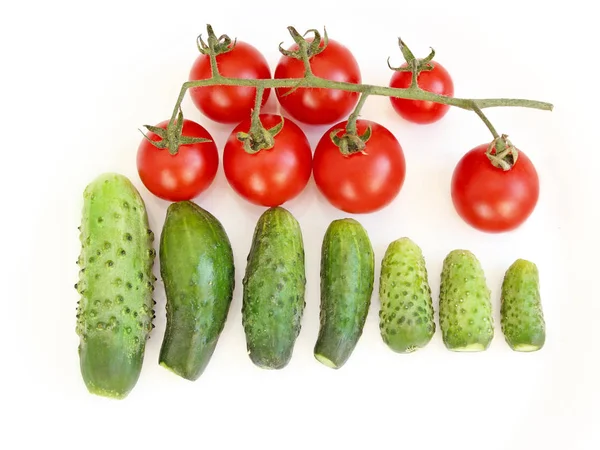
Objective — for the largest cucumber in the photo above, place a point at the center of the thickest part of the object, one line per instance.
(115, 311)
(196, 263)
(273, 289)
(347, 276)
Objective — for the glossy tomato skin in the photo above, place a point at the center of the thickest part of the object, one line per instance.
(316, 106)
(229, 104)
(490, 199)
(182, 176)
(360, 183)
(269, 177)
(437, 80)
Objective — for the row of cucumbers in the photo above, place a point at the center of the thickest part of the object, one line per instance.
(116, 284)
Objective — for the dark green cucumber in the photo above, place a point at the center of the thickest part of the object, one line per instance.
(347, 276)
(196, 263)
(465, 308)
(522, 318)
(406, 319)
(274, 286)
(115, 311)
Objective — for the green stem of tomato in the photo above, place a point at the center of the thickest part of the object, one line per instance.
(259, 138)
(351, 126)
(414, 92)
(407, 93)
(255, 122)
(173, 119)
(411, 93)
(414, 75)
(485, 120)
(313, 81)
(214, 68)
(306, 61)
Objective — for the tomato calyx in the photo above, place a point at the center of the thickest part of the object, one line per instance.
(413, 64)
(502, 153)
(216, 45)
(350, 142)
(306, 48)
(171, 137)
(258, 137)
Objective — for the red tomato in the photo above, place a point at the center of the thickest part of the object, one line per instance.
(318, 106)
(491, 199)
(269, 177)
(360, 183)
(182, 176)
(230, 104)
(437, 80)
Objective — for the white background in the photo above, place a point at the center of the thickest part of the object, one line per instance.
(80, 78)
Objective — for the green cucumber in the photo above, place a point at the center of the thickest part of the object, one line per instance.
(196, 264)
(347, 276)
(406, 320)
(465, 308)
(522, 318)
(273, 289)
(115, 311)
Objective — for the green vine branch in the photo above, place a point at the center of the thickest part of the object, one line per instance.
(258, 138)
(408, 93)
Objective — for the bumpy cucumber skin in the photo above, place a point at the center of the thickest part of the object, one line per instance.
(522, 317)
(465, 308)
(347, 276)
(406, 317)
(115, 311)
(273, 289)
(197, 267)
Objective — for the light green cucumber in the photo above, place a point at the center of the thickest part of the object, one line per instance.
(196, 263)
(522, 317)
(274, 286)
(406, 320)
(115, 311)
(465, 308)
(347, 276)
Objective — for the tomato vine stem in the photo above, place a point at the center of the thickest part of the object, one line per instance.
(407, 93)
(305, 51)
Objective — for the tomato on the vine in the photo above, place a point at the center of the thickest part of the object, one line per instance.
(436, 80)
(229, 104)
(183, 175)
(269, 177)
(319, 106)
(491, 199)
(361, 182)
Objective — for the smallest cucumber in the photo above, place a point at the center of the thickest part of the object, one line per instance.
(522, 318)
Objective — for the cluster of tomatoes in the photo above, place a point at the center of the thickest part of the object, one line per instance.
(485, 196)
